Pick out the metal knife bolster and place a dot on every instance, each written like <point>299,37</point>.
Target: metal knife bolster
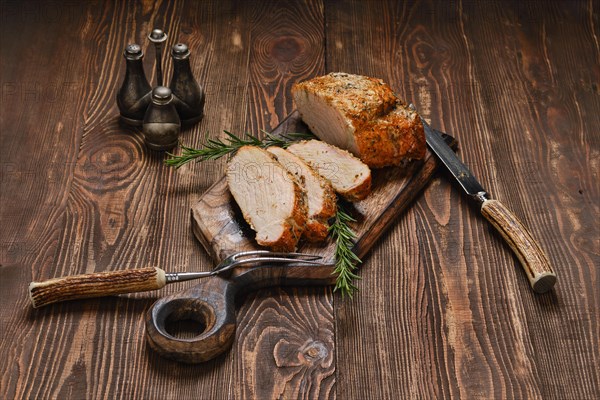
<point>463,175</point>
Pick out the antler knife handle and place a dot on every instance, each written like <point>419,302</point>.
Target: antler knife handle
<point>533,260</point>
<point>95,285</point>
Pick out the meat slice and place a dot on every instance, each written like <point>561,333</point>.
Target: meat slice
<point>270,199</point>
<point>349,176</point>
<point>362,115</point>
<point>320,197</point>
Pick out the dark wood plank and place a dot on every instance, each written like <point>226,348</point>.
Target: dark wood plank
<point>279,326</point>
<point>558,93</point>
<point>460,318</point>
<point>124,209</point>
<point>443,310</point>
<point>43,103</point>
<point>110,221</point>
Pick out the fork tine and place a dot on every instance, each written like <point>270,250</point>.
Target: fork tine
<point>276,260</point>
<point>237,259</point>
<point>263,259</point>
<point>232,258</point>
<point>274,254</point>
<point>248,253</point>
<point>295,256</point>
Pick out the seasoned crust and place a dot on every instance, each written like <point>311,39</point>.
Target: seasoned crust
<point>360,98</point>
<point>329,201</point>
<point>317,227</point>
<point>316,231</point>
<point>294,226</point>
<point>359,192</point>
<point>392,139</point>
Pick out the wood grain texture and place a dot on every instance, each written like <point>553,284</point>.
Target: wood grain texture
<point>443,309</point>
<point>284,45</point>
<point>469,329</point>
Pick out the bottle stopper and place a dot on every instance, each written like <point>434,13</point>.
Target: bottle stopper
<point>133,52</point>
<point>180,51</point>
<point>161,95</point>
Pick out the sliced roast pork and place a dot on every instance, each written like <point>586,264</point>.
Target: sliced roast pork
<point>362,115</point>
<point>269,197</point>
<point>349,176</point>
<point>320,197</point>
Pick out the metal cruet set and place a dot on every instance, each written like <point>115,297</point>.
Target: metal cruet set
<point>162,110</point>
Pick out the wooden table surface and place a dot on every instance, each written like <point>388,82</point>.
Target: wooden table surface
<point>444,310</point>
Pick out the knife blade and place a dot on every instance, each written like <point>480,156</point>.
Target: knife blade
<point>534,261</point>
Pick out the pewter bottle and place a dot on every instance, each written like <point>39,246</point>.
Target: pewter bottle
<point>161,122</point>
<point>135,93</point>
<point>188,95</point>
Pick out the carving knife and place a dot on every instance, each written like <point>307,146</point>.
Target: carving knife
<point>533,260</point>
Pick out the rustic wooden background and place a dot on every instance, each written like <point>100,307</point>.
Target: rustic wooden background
<point>443,310</point>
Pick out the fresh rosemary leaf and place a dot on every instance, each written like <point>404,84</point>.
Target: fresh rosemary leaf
<point>216,148</point>
<point>285,140</point>
<point>345,259</point>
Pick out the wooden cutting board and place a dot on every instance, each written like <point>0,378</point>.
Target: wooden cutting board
<point>219,226</point>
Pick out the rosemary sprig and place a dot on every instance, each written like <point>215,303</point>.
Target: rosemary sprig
<point>217,148</point>
<point>345,259</point>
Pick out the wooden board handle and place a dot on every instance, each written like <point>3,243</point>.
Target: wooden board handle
<point>535,263</point>
<point>95,285</point>
<point>211,305</point>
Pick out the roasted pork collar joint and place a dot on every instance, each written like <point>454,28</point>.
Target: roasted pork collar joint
<point>362,115</point>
